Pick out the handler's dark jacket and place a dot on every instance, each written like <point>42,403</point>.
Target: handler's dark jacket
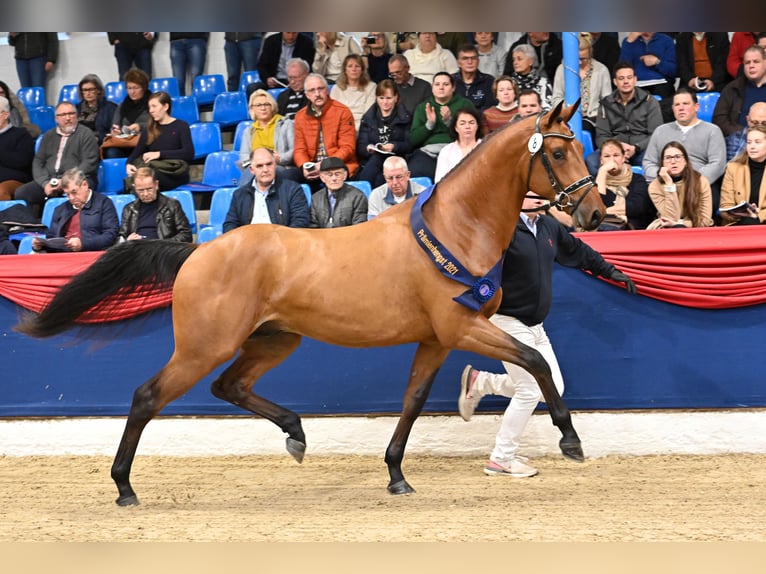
<point>285,201</point>
<point>528,267</point>
<point>172,223</point>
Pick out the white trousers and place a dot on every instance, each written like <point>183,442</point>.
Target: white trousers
<point>518,384</point>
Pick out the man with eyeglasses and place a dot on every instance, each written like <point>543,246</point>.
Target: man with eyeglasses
<point>294,98</point>
<point>64,147</point>
<point>337,204</point>
<point>471,83</point>
<point>735,143</point>
<point>278,49</point>
<point>398,187</point>
<point>412,90</point>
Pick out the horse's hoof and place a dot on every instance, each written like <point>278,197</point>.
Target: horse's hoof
<point>131,500</point>
<point>572,451</point>
<point>296,448</point>
<point>400,487</point>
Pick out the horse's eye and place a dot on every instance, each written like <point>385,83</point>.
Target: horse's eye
<point>558,155</point>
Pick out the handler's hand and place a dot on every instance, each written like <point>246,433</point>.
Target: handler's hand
<point>620,277</point>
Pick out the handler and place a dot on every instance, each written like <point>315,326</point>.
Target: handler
<point>538,241</point>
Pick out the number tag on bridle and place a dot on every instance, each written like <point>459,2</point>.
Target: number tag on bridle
<point>535,143</point>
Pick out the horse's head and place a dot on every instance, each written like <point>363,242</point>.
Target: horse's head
<point>557,170</point>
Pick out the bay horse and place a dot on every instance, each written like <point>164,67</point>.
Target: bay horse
<point>255,291</point>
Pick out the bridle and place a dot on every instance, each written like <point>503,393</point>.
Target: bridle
<point>563,197</point>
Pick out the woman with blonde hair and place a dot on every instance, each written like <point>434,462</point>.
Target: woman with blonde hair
<point>506,94</point>
<point>331,50</point>
<point>744,186</point>
<point>354,87</point>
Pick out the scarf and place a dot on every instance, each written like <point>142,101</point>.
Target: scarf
<point>131,109</point>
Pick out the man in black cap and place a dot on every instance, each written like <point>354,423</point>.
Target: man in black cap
<point>337,204</point>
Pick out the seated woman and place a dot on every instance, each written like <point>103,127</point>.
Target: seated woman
<point>429,133</point>
<point>331,49</point>
<point>17,150</point>
<point>507,95</point>
<point>377,53</point>
<point>465,129</point>
<point>94,110</point>
<point>164,145</point>
<point>526,75</point>
<point>271,131</point>
<point>681,194</point>
<point>132,115</point>
<point>384,131</point>
<point>19,113</point>
<point>623,191</point>
<point>743,182</point>
<point>354,88</point>
<point>153,215</point>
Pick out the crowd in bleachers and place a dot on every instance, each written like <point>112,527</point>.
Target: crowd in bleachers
<point>672,125</point>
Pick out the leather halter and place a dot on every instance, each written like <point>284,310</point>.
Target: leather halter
<point>563,197</point>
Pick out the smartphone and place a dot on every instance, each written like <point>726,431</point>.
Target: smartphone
<point>371,39</point>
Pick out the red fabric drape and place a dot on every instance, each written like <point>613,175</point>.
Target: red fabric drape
<point>713,268</point>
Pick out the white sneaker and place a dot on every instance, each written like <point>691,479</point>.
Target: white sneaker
<point>516,468</point>
<point>469,398</point>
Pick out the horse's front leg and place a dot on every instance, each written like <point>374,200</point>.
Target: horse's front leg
<point>425,365</point>
<point>489,340</point>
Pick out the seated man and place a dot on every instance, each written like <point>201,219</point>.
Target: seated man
<point>735,143</point>
<point>153,215</point>
<point>87,222</point>
<point>653,56</point>
<point>276,51</point>
<point>267,198</point>
<point>397,188</point>
<point>472,84</point>
<point>337,204</point>
<point>412,90</point>
<point>64,147</point>
<point>294,98</point>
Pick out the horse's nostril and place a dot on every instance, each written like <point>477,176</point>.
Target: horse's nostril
<point>595,219</point>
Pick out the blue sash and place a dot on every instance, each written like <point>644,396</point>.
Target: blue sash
<point>481,289</point>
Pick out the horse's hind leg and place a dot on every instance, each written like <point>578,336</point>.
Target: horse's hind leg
<point>262,351</point>
<point>425,365</point>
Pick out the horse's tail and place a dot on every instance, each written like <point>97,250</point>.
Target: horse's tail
<point>132,266</point>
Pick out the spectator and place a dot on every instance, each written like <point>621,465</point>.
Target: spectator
<point>68,145</point>
<point>529,105</point>
<point>735,143</point>
<point>271,131</point>
<point>740,41</point>
<point>17,149</point>
<point>165,145</point>
<point>428,58</point>
<point>451,41</point>
<point>385,130</point>
<point>87,222</point>
<point>548,52</point>
<point>153,215</point>
<point>680,193</point>
<point>470,83</point>
<point>19,114</point>
<point>594,84</point>
<point>702,60</point>
<point>266,198</point>
<point>293,98</point>
<point>188,52</point>
<point>606,49</point>
<point>132,49</point>
<point>506,93</point>
<point>403,41</point>
<point>337,204</point>
<point>132,115</point>
<point>525,73</point>
<point>740,94</point>
<point>744,182</point>
<point>323,129</point>
<point>278,51</point>
<point>629,114</point>
<point>377,53</point>
<point>429,133</point>
<point>624,192</point>
<point>412,90</point>
<point>491,56</point>
<point>331,51</point>
<point>240,49</point>
<point>653,56</point>
<point>36,54</point>
<point>465,131</point>
<point>397,187</point>
<point>354,88</point>
<point>94,110</point>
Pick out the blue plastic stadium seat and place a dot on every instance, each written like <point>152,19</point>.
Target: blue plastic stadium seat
<point>220,170</point>
<point>43,116</point>
<point>6,203</point>
<point>187,203</point>
<point>120,200</point>
<point>25,245</point>
<point>111,175</point>
<point>587,143</point>
<point>247,78</point>
<point>423,180</point>
<point>239,133</point>
<point>185,108</point>
<point>707,102</point>
<point>208,234</point>
<point>32,97</point>
<point>69,93</point>
<point>275,92</point>
<point>307,191</point>
<point>168,84</point>
<point>38,141</point>
<point>362,185</point>
<point>206,137</point>
<point>219,206</point>
<point>637,169</point>
<point>115,92</point>
<point>230,108</point>
<point>206,87</point>
<point>51,204</point>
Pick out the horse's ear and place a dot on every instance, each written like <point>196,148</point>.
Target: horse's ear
<point>554,114</point>
<point>570,111</point>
